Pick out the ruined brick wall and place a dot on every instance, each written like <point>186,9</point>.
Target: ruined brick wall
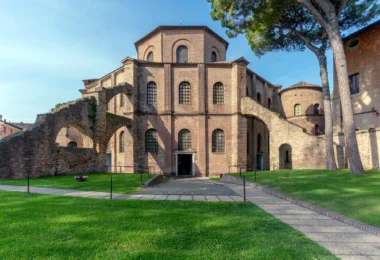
<point>34,151</point>
<point>308,152</point>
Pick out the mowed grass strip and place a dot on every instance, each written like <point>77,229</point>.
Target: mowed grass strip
<point>52,227</point>
<point>122,183</point>
<point>356,196</point>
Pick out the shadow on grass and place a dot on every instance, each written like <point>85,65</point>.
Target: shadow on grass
<point>42,226</point>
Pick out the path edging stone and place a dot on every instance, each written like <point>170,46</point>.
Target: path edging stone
<point>154,180</point>
<point>226,178</point>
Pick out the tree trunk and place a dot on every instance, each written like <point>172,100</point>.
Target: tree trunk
<point>356,165</point>
<point>330,157</point>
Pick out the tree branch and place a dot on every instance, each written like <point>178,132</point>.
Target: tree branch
<point>341,7</point>
<point>317,15</point>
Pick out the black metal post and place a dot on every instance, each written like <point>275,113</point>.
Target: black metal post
<point>28,182</point>
<point>140,176</point>
<point>255,175</point>
<point>240,171</point>
<point>244,188</point>
<point>111,188</point>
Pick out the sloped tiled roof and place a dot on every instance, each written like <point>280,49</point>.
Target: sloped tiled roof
<point>304,84</point>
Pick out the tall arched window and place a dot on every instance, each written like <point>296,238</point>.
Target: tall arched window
<point>121,142</point>
<point>185,93</point>
<point>218,94</point>
<point>151,141</point>
<point>150,56</point>
<point>259,143</point>
<point>316,128</point>
<point>218,141</point>
<point>297,110</point>
<point>259,98</point>
<point>182,55</point>
<point>316,109</point>
<point>184,140</point>
<point>269,103</point>
<point>214,58</point>
<point>151,93</point>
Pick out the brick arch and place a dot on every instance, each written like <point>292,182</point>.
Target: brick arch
<point>184,42</point>
<point>214,49</point>
<point>114,123</point>
<point>150,48</point>
<point>124,88</point>
<point>304,145</point>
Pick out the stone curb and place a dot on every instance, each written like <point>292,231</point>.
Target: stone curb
<point>334,215</point>
<point>154,180</point>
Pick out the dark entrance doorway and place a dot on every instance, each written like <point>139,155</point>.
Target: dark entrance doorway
<point>185,164</point>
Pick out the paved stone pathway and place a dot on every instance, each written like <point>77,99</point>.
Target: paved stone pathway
<point>135,196</point>
<point>189,186</point>
<point>344,241</point>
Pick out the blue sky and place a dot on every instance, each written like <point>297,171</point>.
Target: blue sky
<point>49,46</point>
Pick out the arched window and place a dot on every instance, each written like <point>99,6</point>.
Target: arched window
<point>184,140</point>
<point>259,143</point>
<point>259,98</point>
<point>287,159</point>
<point>182,54</point>
<point>214,58</point>
<point>316,128</point>
<point>269,103</point>
<point>218,141</point>
<point>218,94</point>
<point>72,144</point>
<point>185,93</point>
<point>150,56</point>
<point>316,109</point>
<point>121,142</point>
<point>151,141</point>
<point>297,110</point>
<point>151,93</point>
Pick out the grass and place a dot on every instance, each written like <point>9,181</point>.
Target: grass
<point>122,183</point>
<point>57,227</point>
<point>356,196</point>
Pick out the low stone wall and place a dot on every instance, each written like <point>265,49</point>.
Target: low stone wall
<point>154,180</point>
<point>334,215</point>
<point>75,160</point>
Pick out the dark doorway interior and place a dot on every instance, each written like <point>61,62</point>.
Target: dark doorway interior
<point>185,164</point>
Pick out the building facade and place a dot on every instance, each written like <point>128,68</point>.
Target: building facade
<point>362,51</point>
<point>185,107</point>
<point>7,128</point>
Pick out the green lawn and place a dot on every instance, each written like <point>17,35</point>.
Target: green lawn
<point>351,195</point>
<point>56,227</point>
<point>122,183</point>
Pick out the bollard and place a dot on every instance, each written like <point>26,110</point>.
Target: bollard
<point>240,171</point>
<point>255,176</point>
<point>244,188</point>
<point>141,176</point>
<point>111,188</point>
<point>28,182</point>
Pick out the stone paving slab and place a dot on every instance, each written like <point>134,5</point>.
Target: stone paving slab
<point>212,198</point>
<point>160,197</point>
<point>225,198</point>
<point>199,197</point>
<point>173,197</point>
<point>186,197</point>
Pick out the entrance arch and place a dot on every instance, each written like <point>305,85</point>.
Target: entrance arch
<point>285,156</point>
